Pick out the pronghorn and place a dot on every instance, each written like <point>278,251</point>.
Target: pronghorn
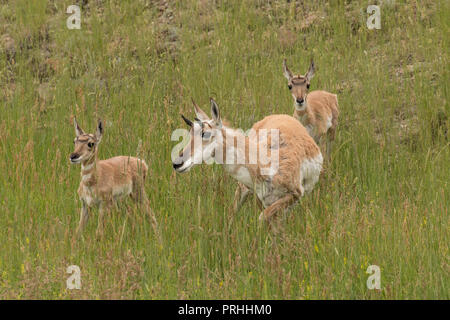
<point>299,157</point>
<point>105,181</point>
<point>316,110</point>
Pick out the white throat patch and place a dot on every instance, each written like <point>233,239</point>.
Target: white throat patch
<point>300,108</point>
<point>89,166</point>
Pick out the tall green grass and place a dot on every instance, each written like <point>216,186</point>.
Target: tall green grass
<point>382,200</point>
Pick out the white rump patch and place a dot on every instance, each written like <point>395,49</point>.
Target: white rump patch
<point>329,123</point>
<point>310,172</point>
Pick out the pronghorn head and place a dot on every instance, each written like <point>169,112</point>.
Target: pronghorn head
<point>299,85</point>
<point>203,138</point>
<point>85,144</point>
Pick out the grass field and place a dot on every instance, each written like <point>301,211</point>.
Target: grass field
<point>383,199</point>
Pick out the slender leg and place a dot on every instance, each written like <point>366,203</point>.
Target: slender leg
<point>278,205</point>
<point>330,138</point>
<point>329,146</point>
<point>237,197</point>
<point>101,217</point>
<point>259,203</point>
<point>317,140</point>
<point>141,198</point>
<point>321,143</point>
<point>84,216</point>
<point>240,196</point>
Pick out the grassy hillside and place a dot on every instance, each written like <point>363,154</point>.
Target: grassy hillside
<point>383,200</point>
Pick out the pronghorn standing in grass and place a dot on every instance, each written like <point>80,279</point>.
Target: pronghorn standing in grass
<point>105,181</point>
<point>299,159</point>
<point>316,110</point>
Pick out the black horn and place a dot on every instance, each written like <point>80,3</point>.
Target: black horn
<point>188,122</point>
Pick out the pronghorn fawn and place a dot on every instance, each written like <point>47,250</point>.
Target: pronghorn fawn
<point>316,110</point>
<point>298,161</point>
<point>103,182</point>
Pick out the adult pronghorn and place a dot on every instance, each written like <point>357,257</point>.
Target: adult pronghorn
<point>316,110</point>
<point>299,160</point>
<point>105,181</point>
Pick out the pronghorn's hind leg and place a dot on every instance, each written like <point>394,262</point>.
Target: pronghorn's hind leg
<point>138,191</point>
<point>277,206</point>
<point>328,147</point>
<point>331,133</point>
<point>330,139</point>
<point>322,142</point>
<point>102,209</point>
<point>141,199</point>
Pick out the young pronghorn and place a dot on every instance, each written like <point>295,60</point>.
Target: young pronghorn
<point>105,181</point>
<point>316,110</point>
<point>298,165</point>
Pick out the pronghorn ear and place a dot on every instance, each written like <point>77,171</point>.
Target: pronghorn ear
<point>78,130</point>
<point>310,74</point>
<point>287,73</point>
<point>215,113</point>
<point>201,115</point>
<point>99,133</point>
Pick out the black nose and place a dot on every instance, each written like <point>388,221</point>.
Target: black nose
<point>73,156</point>
<point>300,101</point>
<point>177,165</point>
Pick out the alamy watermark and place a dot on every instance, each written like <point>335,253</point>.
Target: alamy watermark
<point>374,281</point>
<point>74,281</point>
<point>374,19</point>
<point>74,20</point>
<point>374,11</point>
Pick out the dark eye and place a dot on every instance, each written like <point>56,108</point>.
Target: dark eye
<point>290,86</point>
<point>206,135</point>
<point>307,86</point>
<point>90,144</point>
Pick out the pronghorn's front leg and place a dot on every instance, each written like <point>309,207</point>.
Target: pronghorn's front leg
<point>84,216</point>
<point>278,205</point>
<point>240,196</point>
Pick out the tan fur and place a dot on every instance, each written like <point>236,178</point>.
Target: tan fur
<point>295,145</point>
<point>106,176</point>
<point>103,182</point>
<point>320,106</point>
<point>318,111</point>
<point>286,186</point>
